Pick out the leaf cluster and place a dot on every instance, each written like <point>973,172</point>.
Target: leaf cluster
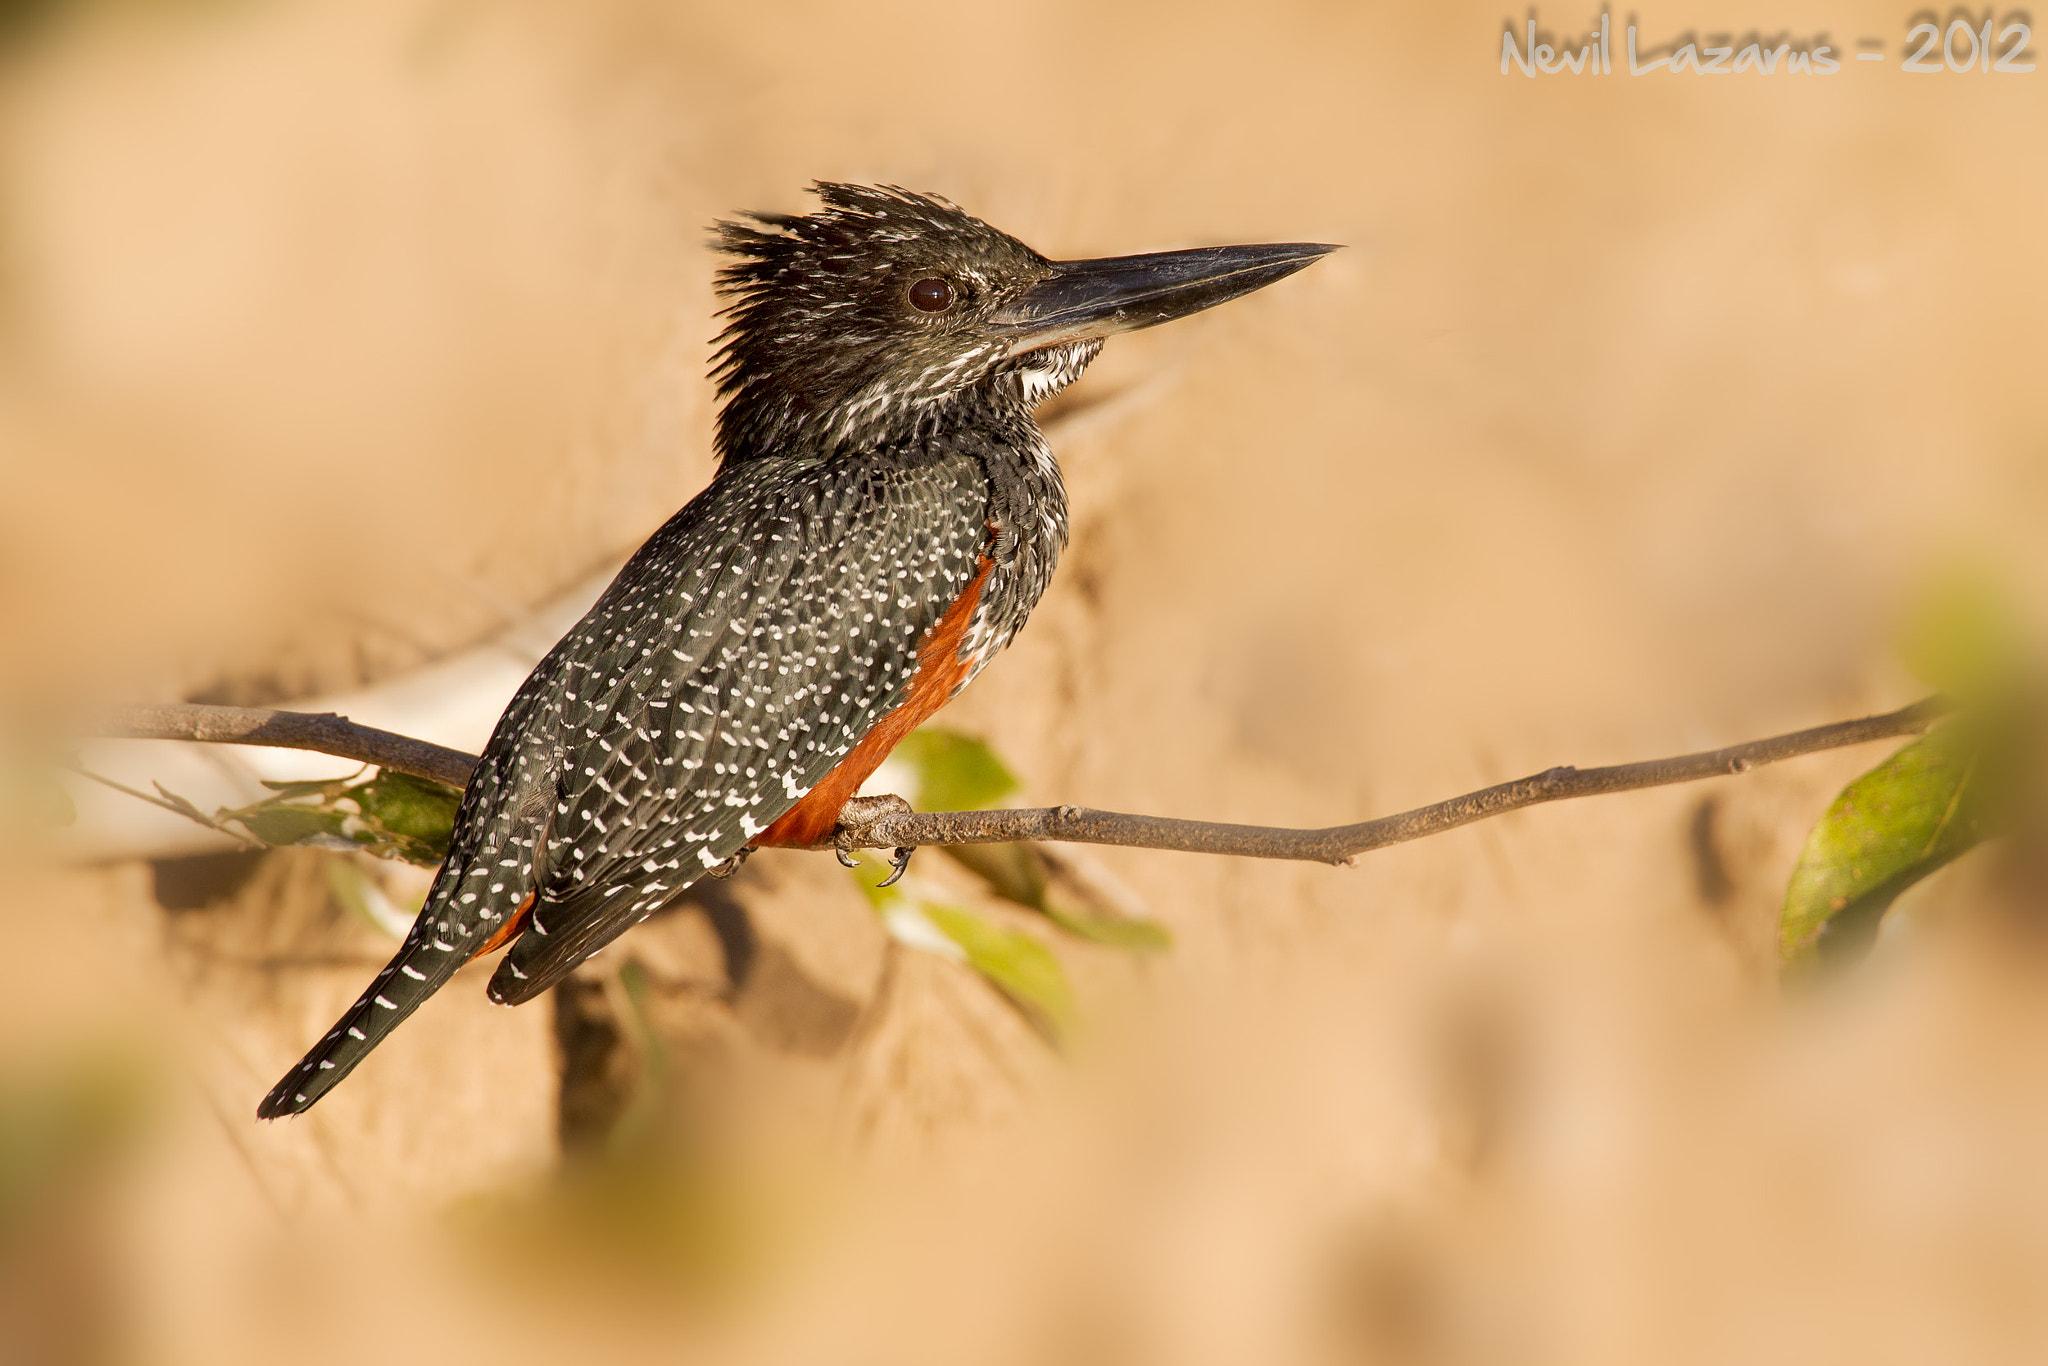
<point>1956,787</point>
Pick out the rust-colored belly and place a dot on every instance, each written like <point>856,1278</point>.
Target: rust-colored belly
<point>940,672</point>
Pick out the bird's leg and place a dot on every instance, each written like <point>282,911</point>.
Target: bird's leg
<point>857,821</point>
<point>731,865</point>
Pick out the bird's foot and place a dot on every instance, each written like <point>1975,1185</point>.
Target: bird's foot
<point>857,821</point>
<point>731,865</point>
<point>899,864</point>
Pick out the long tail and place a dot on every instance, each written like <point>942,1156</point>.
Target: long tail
<point>431,954</point>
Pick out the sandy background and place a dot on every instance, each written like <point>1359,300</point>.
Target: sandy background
<point>334,336</point>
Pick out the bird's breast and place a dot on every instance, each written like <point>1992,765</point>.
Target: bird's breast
<point>1028,500</point>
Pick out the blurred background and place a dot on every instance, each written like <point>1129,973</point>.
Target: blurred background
<point>341,339</point>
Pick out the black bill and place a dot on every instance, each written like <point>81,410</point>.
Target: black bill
<point>1085,299</point>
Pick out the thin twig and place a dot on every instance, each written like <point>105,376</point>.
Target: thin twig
<point>878,828</point>
<point>171,802</point>
<point>1338,844</point>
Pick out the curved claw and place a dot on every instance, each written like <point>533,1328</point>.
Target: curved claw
<point>899,863</point>
<point>846,860</point>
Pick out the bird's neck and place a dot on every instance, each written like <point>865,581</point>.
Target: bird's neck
<point>764,417</point>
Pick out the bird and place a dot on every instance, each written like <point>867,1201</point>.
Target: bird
<point>884,515</point>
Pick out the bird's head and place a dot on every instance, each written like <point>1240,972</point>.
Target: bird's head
<point>856,323</point>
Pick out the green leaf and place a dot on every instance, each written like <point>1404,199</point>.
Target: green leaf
<point>311,787</point>
<point>1020,967</point>
<point>1013,962</point>
<point>391,815</point>
<point>414,808</point>
<point>277,823</point>
<point>1017,873</point>
<point>1913,813</point>
<point>955,772</point>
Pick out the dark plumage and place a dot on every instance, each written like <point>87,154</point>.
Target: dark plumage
<point>885,515</point>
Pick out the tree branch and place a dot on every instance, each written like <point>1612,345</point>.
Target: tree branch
<point>1339,843</point>
<point>322,732</point>
<point>876,827</point>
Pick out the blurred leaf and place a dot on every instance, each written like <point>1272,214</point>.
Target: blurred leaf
<point>955,772</point>
<point>1913,813</point>
<point>1112,931</point>
<point>1013,962</point>
<point>902,916</point>
<point>1965,636</point>
<point>1012,871</point>
<point>1018,873</point>
<point>391,815</point>
<point>909,926</point>
<point>638,1124</point>
<point>60,1124</point>
<point>1021,967</point>
<point>660,1209</point>
<point>868,877</point>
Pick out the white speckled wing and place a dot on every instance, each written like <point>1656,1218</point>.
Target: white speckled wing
<point>739,655</point>
<point>738,660</point>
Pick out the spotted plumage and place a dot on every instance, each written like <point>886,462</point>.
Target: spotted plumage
<point>885,516</point>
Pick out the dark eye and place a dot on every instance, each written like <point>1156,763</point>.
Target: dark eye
<point>932,296</point>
